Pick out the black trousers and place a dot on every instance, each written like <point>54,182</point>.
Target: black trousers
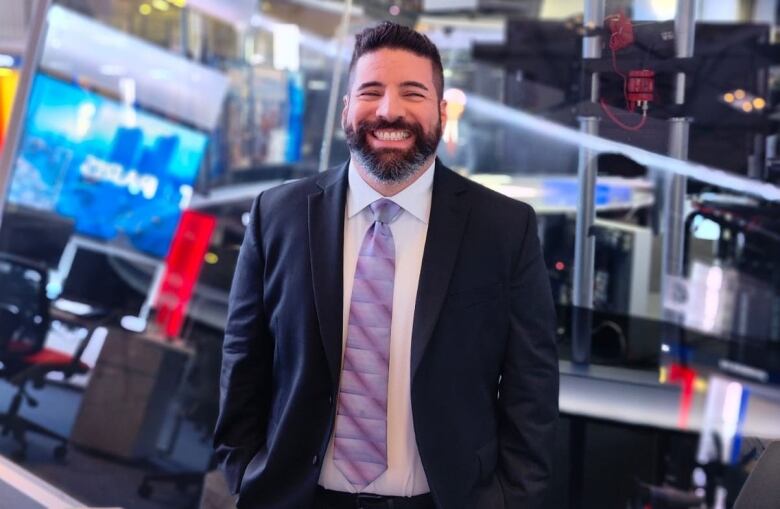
<point>327,499</point>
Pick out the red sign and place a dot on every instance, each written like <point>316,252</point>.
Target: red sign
<point>185,259</point>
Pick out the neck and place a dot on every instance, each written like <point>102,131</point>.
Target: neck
<point>391,188</point>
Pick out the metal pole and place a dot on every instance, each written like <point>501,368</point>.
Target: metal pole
<point>32,53</point>
<point>675,185</point>
<point>584,243</point>
<point>184,32</point>
<point>335,85</point>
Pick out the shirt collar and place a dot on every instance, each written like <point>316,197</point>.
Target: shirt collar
<point>415,199</point>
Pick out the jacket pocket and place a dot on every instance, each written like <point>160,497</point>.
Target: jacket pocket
<point>487,455</point>
<point>254,467</point>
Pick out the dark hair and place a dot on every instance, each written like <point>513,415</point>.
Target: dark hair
<point>394,36</point>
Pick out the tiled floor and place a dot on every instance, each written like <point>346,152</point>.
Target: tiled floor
<point>95,480</point>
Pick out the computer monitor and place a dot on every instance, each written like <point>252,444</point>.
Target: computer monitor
<point>122,174</point>
<point>34,234</point>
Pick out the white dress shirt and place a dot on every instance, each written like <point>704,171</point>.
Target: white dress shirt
<point>404,475</point>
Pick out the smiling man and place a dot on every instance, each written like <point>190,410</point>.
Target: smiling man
<point>389,341</point>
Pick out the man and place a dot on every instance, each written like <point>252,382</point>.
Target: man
<point>390,333</point>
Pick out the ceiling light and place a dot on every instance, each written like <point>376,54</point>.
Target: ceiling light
<point>145,9</point>
<point>112,70</point>
<point>7,60</point>
<point>160,5</point>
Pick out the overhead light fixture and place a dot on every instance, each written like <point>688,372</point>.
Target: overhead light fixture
<point>145,9</point>
<point>160,74</point>
<point>7,60</point>
<point>160,5</point>
<point>112,70</point>
<point>744,101</point>
<point>181,4</point>
<point>287,41</point>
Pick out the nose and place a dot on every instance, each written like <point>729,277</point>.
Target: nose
<point>390,108</point>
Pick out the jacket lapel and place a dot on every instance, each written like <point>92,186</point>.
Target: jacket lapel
<point>449,212</point>
<point>326,248</point>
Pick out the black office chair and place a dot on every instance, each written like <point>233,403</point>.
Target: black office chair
<point>762,488</point>
<point>24,324</point>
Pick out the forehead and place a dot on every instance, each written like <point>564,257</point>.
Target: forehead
<point>390,66</point>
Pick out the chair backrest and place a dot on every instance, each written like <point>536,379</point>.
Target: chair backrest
<point>9,323</point>
<point>762,488</point>
<point>24,320</point>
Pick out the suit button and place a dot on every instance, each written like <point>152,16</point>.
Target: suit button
<point>314,460</point>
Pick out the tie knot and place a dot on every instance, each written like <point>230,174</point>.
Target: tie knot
<point>385,211</point>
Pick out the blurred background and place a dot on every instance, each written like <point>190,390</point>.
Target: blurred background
<point>134,136</point>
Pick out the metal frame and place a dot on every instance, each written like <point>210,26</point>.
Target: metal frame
<point>32,55</point>
<point>587,168</point>
<point>76,242</point>
<point>674,186</point>
<point>335,86</point>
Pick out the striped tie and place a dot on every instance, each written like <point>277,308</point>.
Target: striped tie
<point>360,444</point>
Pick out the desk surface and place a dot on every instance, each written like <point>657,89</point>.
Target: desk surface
<point>639,398</point>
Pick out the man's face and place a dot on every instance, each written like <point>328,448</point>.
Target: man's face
<point>392,115</point>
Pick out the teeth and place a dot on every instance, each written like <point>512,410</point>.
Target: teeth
<point>386,135</point>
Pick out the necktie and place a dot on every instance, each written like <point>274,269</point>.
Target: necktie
<point>360,443</point>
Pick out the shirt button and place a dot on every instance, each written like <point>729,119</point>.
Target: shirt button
<point>314,460</point>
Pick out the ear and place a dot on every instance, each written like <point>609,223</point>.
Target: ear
<point>345,100</point>
<point>443,111</point>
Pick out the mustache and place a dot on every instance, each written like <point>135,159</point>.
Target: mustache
<point>365,126</point>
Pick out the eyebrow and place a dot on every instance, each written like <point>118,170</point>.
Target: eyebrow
<point>415,84</point>
<point>370,84</point>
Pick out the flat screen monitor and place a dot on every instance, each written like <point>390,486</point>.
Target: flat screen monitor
<point>121,173</point>
<point>9,79</point>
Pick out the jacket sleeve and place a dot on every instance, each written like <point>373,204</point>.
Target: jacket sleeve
<point>528,390</point>
<point>247,353</point>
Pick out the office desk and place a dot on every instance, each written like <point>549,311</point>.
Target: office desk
<point>653,397</point>
<point>124,405</point>
<point>637,397</point>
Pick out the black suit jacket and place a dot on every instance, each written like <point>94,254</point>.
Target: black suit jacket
<point>484,368</point>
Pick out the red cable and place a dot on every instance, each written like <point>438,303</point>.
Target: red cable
<point>615,68</point>
<point>619,122</point>
<point>629,105</point>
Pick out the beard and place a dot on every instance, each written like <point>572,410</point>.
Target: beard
<point>390,165</point>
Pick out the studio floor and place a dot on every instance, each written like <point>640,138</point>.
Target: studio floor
<point>97,480</point>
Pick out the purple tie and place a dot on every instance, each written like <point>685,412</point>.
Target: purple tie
<point>360,444</point>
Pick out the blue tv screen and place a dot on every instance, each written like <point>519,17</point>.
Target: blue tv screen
<point>122,174</point>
